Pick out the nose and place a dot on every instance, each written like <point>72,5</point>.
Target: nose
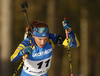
<point>43,42</point>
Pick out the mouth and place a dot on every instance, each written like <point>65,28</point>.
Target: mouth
<point>41,45</point>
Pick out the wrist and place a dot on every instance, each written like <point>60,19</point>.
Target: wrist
<point>21,52</point>
<point>68,30</point>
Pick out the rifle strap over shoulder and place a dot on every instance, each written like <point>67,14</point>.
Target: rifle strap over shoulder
<point>51,43</point>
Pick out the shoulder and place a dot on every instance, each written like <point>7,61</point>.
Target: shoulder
<point>52,35</point>
<point>27,41</point>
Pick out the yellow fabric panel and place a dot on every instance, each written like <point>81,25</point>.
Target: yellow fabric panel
<point>52,44</point>
<point>65,42</point>
<point>19,48</point>
<point>30,41</point>
<point>78,44</point>
<point>21,45</point>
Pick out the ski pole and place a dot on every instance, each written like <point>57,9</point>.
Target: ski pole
<point>69,53</point>
<point>25,56</point>
<point>20,64</point>
<point>19,67</point>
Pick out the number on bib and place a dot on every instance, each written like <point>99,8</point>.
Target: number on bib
<point>41,63</point>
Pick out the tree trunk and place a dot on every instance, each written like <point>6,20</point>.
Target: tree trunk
<point>51,14</point>
<point>50,20</point>
<point>56,65</point>
<point>84,42</point>
<point>5,37</point>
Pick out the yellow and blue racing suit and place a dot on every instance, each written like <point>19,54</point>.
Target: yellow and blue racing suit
<point>38,63</point>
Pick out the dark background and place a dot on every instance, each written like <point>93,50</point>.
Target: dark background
<point>84,16</point>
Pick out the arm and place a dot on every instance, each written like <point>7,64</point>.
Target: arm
<point>59,40</point>
<point>73,41</point>
<point>18,52</point>
<point>72,38</point>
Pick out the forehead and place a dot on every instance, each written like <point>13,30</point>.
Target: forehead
<point>42,37</point>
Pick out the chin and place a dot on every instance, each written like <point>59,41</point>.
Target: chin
<point>41,47</point>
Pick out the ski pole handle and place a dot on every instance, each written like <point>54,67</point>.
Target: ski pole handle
<point>25,57</point>
<point>66,31</point>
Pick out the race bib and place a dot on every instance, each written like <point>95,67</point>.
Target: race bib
<point>37,67</point>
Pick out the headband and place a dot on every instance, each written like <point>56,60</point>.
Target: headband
<point>41,32</point>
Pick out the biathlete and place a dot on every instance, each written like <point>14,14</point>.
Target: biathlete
<point>39,58</point>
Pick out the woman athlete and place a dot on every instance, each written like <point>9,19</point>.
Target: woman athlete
<point>39,58</point>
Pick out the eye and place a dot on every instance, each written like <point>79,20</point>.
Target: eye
<point>46,39</point>
<point>40,39</point>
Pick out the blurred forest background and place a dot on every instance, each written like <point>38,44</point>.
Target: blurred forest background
<point>84,16</point>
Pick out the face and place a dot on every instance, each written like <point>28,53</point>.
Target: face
<point>40,41</point>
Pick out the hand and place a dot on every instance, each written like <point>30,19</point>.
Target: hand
<point>66,24</point>
<point>27,50</point>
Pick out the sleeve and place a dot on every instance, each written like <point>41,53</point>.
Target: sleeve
<point>56,39</point>
<point>17,54</point>
<point>59,40</point>
<point>53,37</point>
<point>73,41</point>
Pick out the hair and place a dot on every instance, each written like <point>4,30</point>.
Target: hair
<point>38,24</point>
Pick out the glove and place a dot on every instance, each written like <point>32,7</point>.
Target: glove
<point>27,50</point>
<point>66,24</point>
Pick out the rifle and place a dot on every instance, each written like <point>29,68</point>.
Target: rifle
<point>29,28</point>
